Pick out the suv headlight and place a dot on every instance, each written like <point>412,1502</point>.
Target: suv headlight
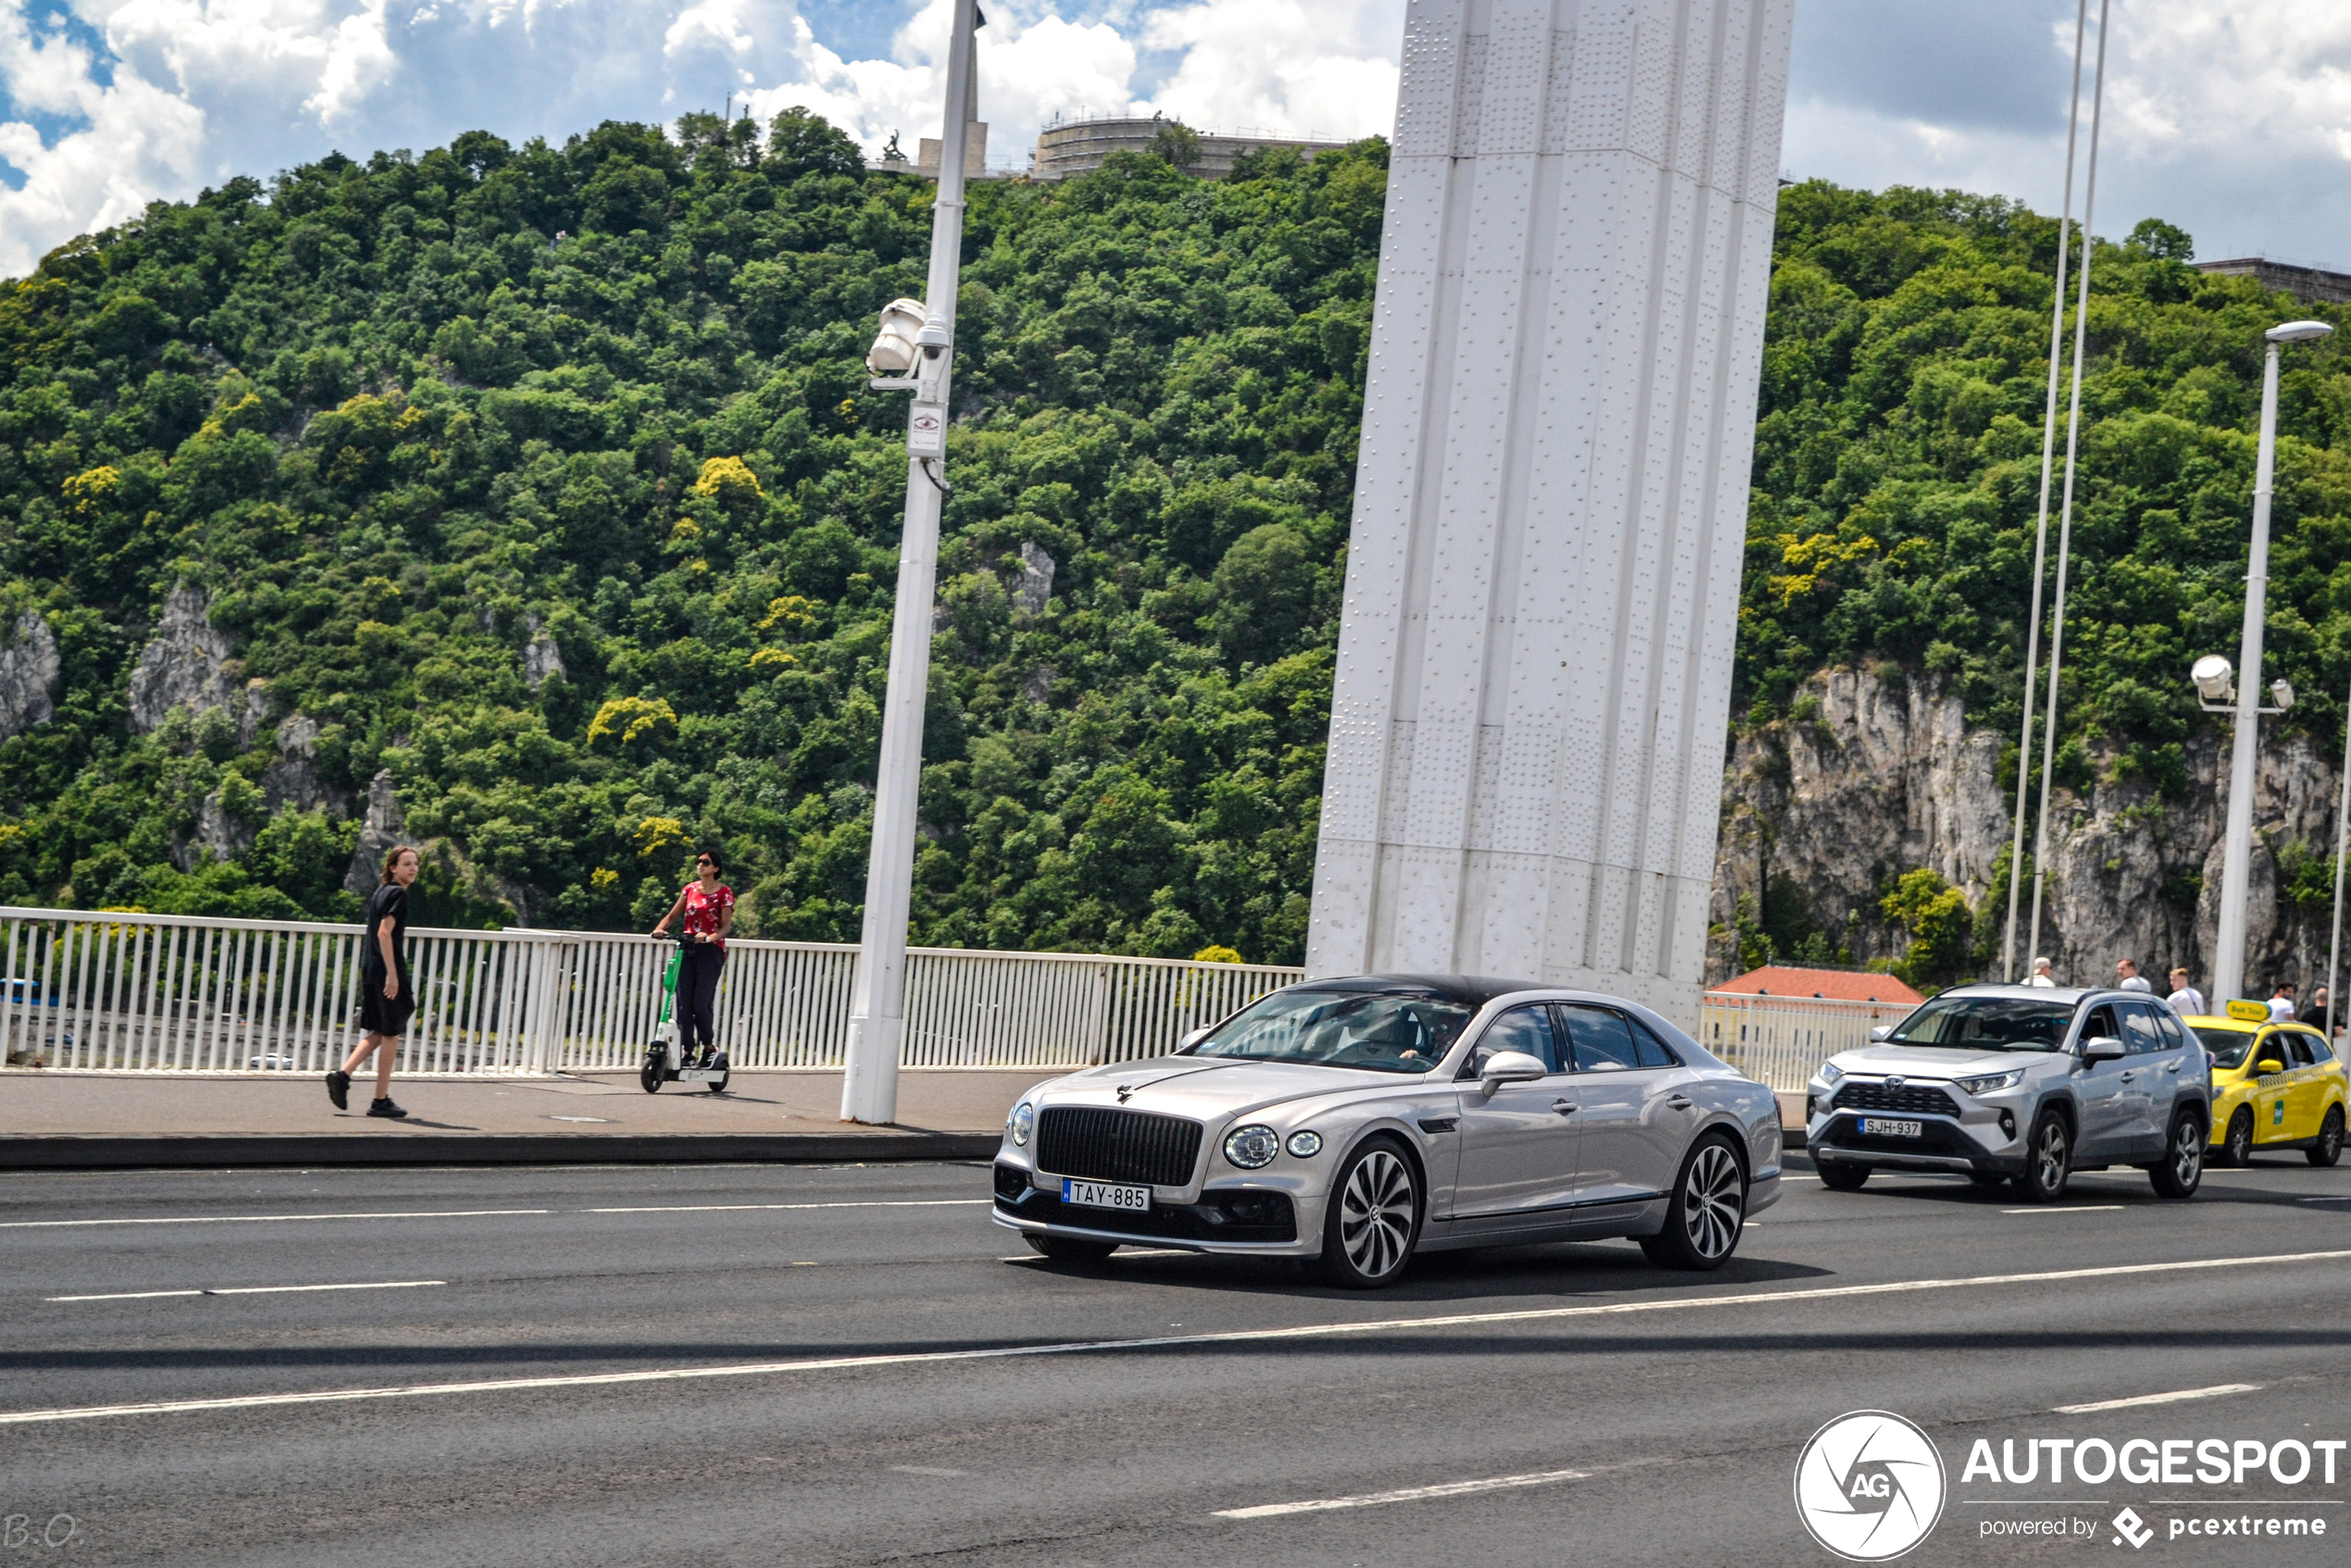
<point>1831,1072</point>
<point>1021,1123</point>
<point>1252,1145</point>
<point>1992,1083</point>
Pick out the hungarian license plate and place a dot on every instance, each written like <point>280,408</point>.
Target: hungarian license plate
<point>1106,1195</point>
<point>1878,1127</point>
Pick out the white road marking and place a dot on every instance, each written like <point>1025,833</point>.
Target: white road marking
<point>2067,1209</point>
<point>856,1204</point>
<point>2323,1199</point>
<point>1164,1341</point>
<point>249,1291</point>
<point>2214,1392</point>
<point>924,1470</point>
<point>1405,1494</point>
<point>257,1219</point>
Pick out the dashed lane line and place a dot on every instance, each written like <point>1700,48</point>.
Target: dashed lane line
<point>1406,1494</point>
<point>258,1219</point>
<point>2214,1392</point>
<point>2069,1208</point>
<point>1165,1341</point>
<point>249,1291</point>
<point>481,1214</point>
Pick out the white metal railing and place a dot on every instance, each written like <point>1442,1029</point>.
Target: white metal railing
<point>1781,1039</point>
<point>144,992</point>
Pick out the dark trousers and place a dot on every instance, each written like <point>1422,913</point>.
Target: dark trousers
<point>698,994</point>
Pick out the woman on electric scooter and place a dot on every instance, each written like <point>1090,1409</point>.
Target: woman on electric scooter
<point>708,906</point>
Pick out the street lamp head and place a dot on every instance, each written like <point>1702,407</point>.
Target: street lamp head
<point>2298,331</point>
<point>2281,693</point>
<point>896,348</point>
<point>2210,674</point>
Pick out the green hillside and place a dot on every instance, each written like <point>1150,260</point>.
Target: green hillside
<point>425,427</point>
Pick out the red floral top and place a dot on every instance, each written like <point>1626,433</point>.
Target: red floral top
<point>705,911</point>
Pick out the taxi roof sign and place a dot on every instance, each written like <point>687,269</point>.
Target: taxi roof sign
<point>2248,1013</point>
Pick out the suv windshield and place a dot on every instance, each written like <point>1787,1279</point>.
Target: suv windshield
<point>1388,1033</point>
<point>1987,1023</point>
<point>2227,1047</point>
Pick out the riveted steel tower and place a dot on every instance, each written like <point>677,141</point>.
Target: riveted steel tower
<point>1542,588</point>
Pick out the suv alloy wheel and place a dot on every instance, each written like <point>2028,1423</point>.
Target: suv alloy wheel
<point>2180,1170</point>
<point>2048,1160</point>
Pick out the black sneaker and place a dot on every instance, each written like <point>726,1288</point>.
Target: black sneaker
<point>339,1089</point>
<point>385,1108</point>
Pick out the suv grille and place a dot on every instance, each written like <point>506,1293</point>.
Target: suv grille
<point>1917,1100</point>
<point>1102,1144</point>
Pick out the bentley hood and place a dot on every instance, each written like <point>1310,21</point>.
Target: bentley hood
<point>1208,1088</point>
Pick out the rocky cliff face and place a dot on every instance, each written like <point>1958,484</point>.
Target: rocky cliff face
<point>1887,777</point>
<point>29,668</point>
<point>185,665</point>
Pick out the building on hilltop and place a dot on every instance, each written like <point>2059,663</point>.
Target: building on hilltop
<point>2311,285</point>
<point>1079,146</point>
<point>1830,985</point>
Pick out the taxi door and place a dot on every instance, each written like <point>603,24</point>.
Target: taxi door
<point>2306,1092</point>
<point>2272,1090</point>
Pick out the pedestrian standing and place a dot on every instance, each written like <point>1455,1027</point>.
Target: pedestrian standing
<point>2127,977</point>
<point>386,1000</point>
<point>2281,1002</point>
<point>2186,999</point>
<point>708,906</point>
<point>2041,973</point>
<point>2321,1015</point>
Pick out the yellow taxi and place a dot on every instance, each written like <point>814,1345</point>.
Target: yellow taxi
<point>2275,1086</point>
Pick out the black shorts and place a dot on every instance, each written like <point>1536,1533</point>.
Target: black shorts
<point>381,1014</point>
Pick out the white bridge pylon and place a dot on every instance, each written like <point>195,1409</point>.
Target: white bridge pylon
<point>1528,726</point>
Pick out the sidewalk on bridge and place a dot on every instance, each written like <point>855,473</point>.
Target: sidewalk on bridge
<point>64,1120</point>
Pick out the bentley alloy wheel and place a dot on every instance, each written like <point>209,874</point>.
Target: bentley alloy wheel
<point>1705,1212</point>
<point>1374,1218</point>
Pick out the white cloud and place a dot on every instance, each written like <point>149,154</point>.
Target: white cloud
<point>2229,117</point>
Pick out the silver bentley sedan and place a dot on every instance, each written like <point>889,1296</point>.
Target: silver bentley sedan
<point>1357,1122</point>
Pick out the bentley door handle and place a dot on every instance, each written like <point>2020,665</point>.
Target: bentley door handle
<point>1565,1107</point>
<point>2129,1076</point>
<point>2171,1066</point>
<point>1678,1101</point>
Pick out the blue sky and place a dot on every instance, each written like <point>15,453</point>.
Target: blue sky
<point>2232,118</point>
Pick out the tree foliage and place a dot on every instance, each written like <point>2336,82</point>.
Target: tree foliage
<point>427,427</point>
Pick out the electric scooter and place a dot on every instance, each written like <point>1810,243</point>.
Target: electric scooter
<point>661,1063</point>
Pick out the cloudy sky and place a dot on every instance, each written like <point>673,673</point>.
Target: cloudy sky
<point>2231,118</point>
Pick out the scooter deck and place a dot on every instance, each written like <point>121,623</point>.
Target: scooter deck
<point>699,1075</point>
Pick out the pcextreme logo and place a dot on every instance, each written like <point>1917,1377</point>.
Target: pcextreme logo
<point>1869,1486</point>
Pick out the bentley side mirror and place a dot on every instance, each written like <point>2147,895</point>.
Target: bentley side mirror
<point>1882,1031</point>
<point>2102,1048</point>
<point>1511,1067</point>
<point>1193,1038</point>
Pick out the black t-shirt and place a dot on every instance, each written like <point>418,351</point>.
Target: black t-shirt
<point>387,903</point>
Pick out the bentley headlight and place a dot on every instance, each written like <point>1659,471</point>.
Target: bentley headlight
<point>1831,1072</point>
<point>1992,1083</point>
<point>1252,1145</point>
<point>1305,1145</point>
<point>1022,1121</point>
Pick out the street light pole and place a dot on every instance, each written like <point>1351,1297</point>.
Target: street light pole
<point>2228,956</point>
<point>2342,843</point>
<point>878,1002</point>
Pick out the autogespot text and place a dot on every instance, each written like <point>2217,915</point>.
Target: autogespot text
<point>2148,1461</point>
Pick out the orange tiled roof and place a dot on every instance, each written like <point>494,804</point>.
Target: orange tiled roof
<point>1837,984</point>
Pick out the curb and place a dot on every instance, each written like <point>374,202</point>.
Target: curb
<point>212,1151</point>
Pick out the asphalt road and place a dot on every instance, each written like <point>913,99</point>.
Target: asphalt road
<point>1639,1416</point>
